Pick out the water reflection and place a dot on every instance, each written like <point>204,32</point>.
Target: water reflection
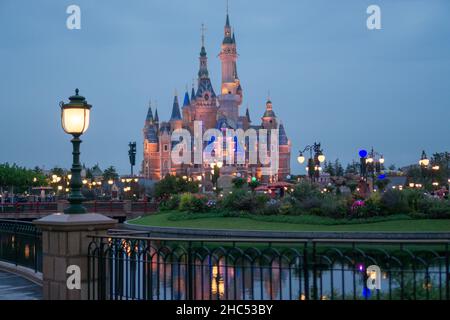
<point>168,276</point>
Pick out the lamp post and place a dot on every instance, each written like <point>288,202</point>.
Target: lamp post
<point>424,162</point>
<point>375,163</point>
<point>75,121</point>
<point>314,162</point>
<point>215,174</point>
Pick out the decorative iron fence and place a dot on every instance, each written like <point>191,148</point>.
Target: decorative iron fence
<point>141,267</point>
<point>21,244</point>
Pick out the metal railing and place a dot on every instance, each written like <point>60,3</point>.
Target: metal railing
<point>92,206</point>
<point>21,244</point>
<point>140,267</point>
<point>29,207</point>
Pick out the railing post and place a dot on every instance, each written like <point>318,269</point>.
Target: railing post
<point>190,275</point>
<point>65,243</point>
<point>314,271</point>
<point>16,250</point>
<point>306,270</point>
<point>36,243</point>
<point>447,273</point>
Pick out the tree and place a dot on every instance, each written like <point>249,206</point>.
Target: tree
<point>253,184</point>
<point>19,179</point>
<point>382,184</point>
<point>338,169</point>
<point>57,171</point>
<point>174,185</point>
<point>352,168</point>
<point>328,168</point>
<point>110,173</point>
<point>238,182</point>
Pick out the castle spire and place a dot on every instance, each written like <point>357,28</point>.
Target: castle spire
<point>176,115</point>
<point>149,117</point>
<point>156,116</point>
<point>203,71</point>
<point>186,101</point>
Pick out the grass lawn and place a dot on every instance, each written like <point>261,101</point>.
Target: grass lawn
<point>161,220</point>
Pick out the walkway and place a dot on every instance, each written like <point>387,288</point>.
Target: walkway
<point>14,287</point>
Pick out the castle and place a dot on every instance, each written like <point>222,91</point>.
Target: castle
<point>214,111</point>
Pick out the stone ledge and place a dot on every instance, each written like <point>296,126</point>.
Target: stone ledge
<point>75,222</point>
<point>25,272</point>
<point>256,234</point>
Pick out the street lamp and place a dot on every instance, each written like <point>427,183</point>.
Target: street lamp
<point>372,163</point>
<point>75,121</point>
<point>424,161</point>
<point>313,168</point>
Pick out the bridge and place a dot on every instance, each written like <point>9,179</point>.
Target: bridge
<point>121,210</point>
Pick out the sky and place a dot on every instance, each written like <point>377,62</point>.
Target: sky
<point>331,80</point>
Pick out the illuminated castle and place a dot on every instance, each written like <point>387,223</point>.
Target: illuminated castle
<point>215,111</point>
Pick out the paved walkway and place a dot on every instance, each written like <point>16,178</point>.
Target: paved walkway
<point>14,287</point>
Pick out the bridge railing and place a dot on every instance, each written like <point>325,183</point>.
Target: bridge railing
<point>32,207</point>
<point>92,206</point>
<point>21,244</point>
<point>142,267</point>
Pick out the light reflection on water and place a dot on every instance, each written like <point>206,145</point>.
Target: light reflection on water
<point>243,281</point>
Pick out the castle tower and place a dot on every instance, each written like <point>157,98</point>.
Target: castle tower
<point>231,91</point>
<point>186,109</point>
<point>205,106</point>
<point>150,164</point>
<point>284,154</point>
<point>269,119</point>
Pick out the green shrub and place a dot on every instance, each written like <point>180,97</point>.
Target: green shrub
<point>191,203</point>
<point>333,206</point>
<point>271,208</point>
<point>373,206</point>
<point>260,200</point>
<point>242,200</point>
<point>304,190</point>
<point>394,201</point>
<point>170,204</point>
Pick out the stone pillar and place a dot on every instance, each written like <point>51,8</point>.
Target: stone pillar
<point>65,242</point>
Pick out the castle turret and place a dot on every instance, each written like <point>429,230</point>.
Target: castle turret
<point>156,117</point>
<point>231,90</point>
<point>149,117</point>
<point>186,109</point>
<point>175,118</point>
<point>205,106</point>
<point>269,120</point>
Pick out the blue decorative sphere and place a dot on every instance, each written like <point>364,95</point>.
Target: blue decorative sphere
<point>363,153</point>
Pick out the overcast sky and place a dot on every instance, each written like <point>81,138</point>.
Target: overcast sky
<point>331,79</point>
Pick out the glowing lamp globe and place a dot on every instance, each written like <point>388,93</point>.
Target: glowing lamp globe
<point>301,159</point>
<point>425,162</point>
<point>381,160</point>
<point>321,158</point>
<point>75,115</point>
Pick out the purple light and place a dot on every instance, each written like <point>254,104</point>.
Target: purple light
<point>360,267</point>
